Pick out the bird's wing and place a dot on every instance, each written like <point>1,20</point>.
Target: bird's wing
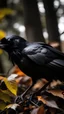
<point>41,53</point>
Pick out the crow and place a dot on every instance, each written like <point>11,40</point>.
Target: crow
<point>37,59</point>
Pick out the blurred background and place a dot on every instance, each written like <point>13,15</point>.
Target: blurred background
<point>35,20</point>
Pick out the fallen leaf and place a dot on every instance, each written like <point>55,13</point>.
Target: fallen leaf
<point>11,85</point>
<point>55,84</point>
<point>39,84</point>
<point>8,92</point>
<point>1,77</point>
<point>12,106</point>
<point>25,80</point>
<point>41,110</point>
<point>4,97</point>
<point>58,93</point>
<point>12,77</point>
<point>2,105</point>
<point>17,71</point>
<point>35,111</point>
<point>52,110</point>
<point>49,103</point>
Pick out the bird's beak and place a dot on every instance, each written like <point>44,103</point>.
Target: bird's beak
<point>1,45</point>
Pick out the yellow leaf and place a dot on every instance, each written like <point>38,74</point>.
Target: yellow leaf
<point>2,16</point>
<point>8,92</point>
<point>4,97</point>
<point>2,105</point>
<point>6,11</point>
<point>2,34</point>
<point>11,85</point>
<point>1,51</point>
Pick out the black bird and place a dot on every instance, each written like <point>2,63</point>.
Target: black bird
<point>38,59</point>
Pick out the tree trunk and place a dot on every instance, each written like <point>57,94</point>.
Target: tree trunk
<point>51,21</point>
<point>32,21</point>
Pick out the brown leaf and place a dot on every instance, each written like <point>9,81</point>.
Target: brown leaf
<point>26,80</point>
<point>34,111</point>
<point>39,84</point>
<point>16,74</point>
<point>52,110</point>
<point>54,84</point>
<point>16,70</point>
<point>41,110</point>
<point>49,103</point>
<point>1,77</point>
<point>56,88</point>
<point>59,93</point>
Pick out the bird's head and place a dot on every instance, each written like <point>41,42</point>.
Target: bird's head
<point>12,42</point>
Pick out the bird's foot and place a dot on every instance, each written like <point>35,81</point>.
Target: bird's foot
<point>21,97</point>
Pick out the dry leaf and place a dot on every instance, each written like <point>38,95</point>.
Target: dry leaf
<point>2,105</point>
<point>58,93</point>
<point>11,85</point>
<point>4,97</point>
<point>52,110</point>
<point>1,77</point>
<point>56,88</point>
<point>26,80</point>
<point>39,84</point>
<point>12,106</point>
<point>41,110</point>
<point>54,84</point>
<point>12,77</point>
<point>49,103</point>
<point>16,70</point>
<point>8,92</point>
<point>35,111</point>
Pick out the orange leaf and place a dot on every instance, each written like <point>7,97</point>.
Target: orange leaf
<point>16,70</point>
<point>1,77</point>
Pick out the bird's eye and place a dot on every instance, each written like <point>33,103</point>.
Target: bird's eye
<point>17,40</point>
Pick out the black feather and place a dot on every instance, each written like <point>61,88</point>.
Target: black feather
<point>38,60</point>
